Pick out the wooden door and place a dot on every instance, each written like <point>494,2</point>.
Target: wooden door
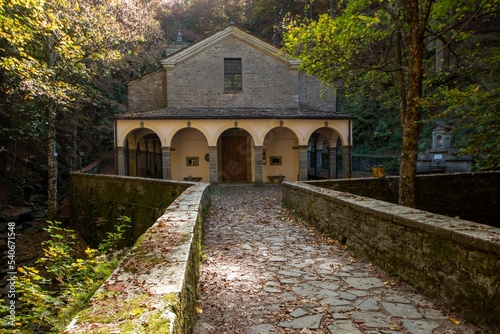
<point>234,159</point>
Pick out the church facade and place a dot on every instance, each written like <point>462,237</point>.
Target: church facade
<point>232,108</point>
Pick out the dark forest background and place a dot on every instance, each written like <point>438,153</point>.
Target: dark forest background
<point>64,68</point>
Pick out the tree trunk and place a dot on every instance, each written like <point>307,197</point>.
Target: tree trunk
<point>408,167</point>
<point>412,116</point>
<point>52,163</point>
<point>404,186</point>
<point>14,158</point>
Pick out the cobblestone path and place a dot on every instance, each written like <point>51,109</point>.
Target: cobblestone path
<point>266,271</point>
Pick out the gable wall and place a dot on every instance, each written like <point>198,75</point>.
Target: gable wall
<point>199,80</point>
<point>314,95</point>
<point>148,92</point>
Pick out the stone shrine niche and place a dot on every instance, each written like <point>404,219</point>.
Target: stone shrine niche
<point>441,157</point>
<point>441,138</point>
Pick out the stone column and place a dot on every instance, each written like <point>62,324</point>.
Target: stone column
<point>132,163</point>
<point>166,156</point>
<point>346,161</point>
<point>121,162</point>
<point>319,159</point>
<point>212,153</point>
<point>303,163</point>
<point>332,163</point>
<point>142,168</point>
<point>258,165</point>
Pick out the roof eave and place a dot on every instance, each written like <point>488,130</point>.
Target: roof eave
<point>333,117</point>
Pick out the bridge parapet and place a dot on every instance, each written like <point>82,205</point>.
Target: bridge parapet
<point>453,260</point>
<point>153,289</point>
<point>96,201</point>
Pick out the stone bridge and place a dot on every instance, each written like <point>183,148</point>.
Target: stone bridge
<point>454,261</point>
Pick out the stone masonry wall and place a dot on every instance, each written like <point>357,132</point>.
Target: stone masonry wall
<point>452,260</point>
<point>153,290</point>
<point>148,92</point>
<point>474,196</point>
<point>316,95</point>
<point>199,80</point>
<point>96,201</point>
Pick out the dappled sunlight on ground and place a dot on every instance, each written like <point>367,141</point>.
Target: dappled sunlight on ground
<point>266,271</point>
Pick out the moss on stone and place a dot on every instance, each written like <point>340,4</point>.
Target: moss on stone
<point>121,310</point>
<point>159,324</point>
<point>185,237</point>
<point>102,199</point>
<point>102,313</point>
<point>135,315</point>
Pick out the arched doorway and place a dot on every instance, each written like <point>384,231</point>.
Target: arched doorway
<point>189,155</point>
<point>149,162</point>
<point>323,156</point>
<point>143,154</point>
<point>280,155</point>
<point>235,156</point>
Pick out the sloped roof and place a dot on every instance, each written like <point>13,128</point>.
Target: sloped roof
<point>441,125</point>
<point>230,31</point>
<point>131,81</point>
<point>233,113</point>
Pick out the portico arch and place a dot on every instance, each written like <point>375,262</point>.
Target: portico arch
<point>324,156</point>
<point>189,155</point>
<point>141,155</point>
<point>280,154</point>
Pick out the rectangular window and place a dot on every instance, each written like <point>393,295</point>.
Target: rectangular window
<point>192,161</point>
<point>232,75</point>
<point>275,161</point>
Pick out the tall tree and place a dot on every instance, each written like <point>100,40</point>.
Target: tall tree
<point>52,50</point>
<point>383,43</point>
<point>199,18</point>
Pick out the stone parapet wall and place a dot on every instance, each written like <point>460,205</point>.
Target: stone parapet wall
<point>153,290</point>
<point>452,260</point>
<point>96,201</point>
<point>473,196</point>
<point>366,163</point>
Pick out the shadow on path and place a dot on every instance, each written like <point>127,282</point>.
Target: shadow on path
<point>266,271</point>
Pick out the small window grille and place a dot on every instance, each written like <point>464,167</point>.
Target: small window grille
<point>232,75</point>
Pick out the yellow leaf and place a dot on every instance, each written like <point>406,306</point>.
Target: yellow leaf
<point>455,321</point>
<point>198,310</point>
<point>135,312</point>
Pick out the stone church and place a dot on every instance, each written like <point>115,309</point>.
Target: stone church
<point>232,108</point>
